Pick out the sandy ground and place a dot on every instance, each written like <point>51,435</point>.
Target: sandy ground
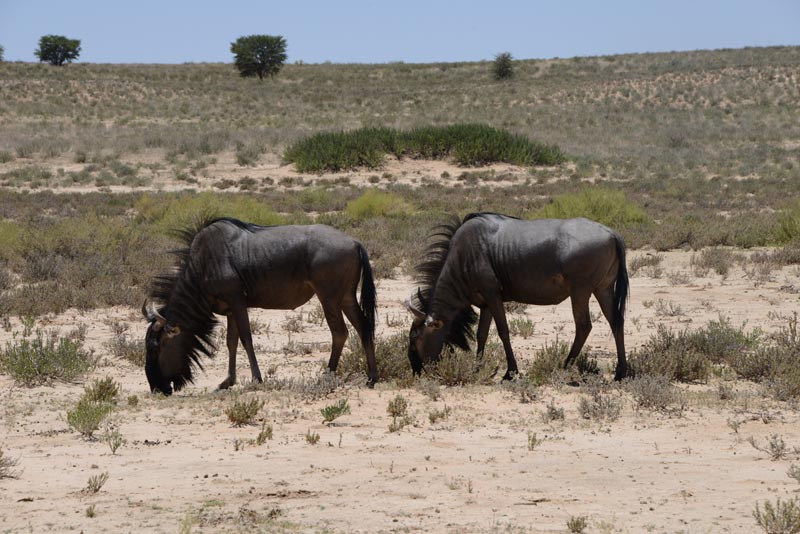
<point>186,468</point>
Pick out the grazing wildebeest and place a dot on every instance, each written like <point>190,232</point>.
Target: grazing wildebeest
<point>229,266</point>
<point>488,259</point>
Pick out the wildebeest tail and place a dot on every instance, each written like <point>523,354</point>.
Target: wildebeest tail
<point>621,285</point>
<point>368,301</point>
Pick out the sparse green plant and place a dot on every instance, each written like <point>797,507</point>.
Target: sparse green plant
<point>333,411</point>
<point>552,413</point>
<point>398,409</point>
<point>124,348</point>
<point>775,448</point>
<point>794,472</point>
<point>428,387</point>
<point>652,392</point>
<point>102,390</point>
<point>312,438</point>
<point>521,326</point>
<point>781,518</point>
<point>243,411</point>
<point>96,482</point>
<point>91,511</point>
<point>533,440</point>
<point>436,415</point>
<point>264,434</point>
<point>577,524</point>
<point>39,358</point>
<point>113,438</point>
<point>523,386</point>
<point>87,416</point>
<point>133,401</point>
<point>599,406</point>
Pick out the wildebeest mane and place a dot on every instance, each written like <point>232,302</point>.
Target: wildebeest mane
<point>428,271</point>
<point>183,302</point>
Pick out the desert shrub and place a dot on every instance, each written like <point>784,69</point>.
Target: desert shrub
<point>503,66</point>
<point>243,411</point>
<point>550,359</point>
<point>333,411</point>
<point>599,406</point>
<point>669,355</point>
<point>459,367</point>
<point>687,355</point>
<point>391,355</point>
<point>652,392</point>
<point>248,154</point>
<point>102,390</point>
<point>781,518</point>
<point>124,348</point>
<point>789,223</point>
<point>171,212</point>
<point>38,358</point>
<point>87,416</point>
<point>607,206</point>
<point>649,262</point>
<point>375,203</point>
<point>7,465</point>
<point>719,260</point>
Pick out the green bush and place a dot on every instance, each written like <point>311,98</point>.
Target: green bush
<point>375,203</point>
<point>670,355</point>
<point>87,416</point>
<point>467,144</point>
<point>40,358</point>
<point>789,223</point>
<point>606,206</point>
<point>170,212</point>
<point>503,66</point>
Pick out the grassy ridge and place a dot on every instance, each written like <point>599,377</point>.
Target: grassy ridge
<point>466,144</point>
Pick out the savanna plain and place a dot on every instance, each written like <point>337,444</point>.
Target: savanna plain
<point>693,157</point>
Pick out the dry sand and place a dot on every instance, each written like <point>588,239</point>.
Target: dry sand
<point>179,469</point>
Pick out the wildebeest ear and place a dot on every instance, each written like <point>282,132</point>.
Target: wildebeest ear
<point>172,331</point>
<point>418,314</point>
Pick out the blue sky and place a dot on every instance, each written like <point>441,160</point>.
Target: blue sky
<point>414,31</point>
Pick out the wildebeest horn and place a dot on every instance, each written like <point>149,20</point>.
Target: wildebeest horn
<point>413,309</point>
<point>151,314</point>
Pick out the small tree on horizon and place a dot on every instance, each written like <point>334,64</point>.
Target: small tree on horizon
<point>503,67</point>
<point>259,55</point>
<point>2,50</point>
<point>57,49</point>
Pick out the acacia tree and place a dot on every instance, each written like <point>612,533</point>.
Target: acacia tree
<point>259,55</point>
<point>57,49</point>
<point>1,52</point>
<point>503,67</point>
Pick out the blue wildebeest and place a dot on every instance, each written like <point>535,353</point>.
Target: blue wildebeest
<point>229,266</point>
<point>488,259</point>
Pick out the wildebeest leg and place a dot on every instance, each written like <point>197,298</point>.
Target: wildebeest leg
<point>583,325</point>
<point>357,319</point>
<point>484,323</point>
<point>606,299</point>
<point>232,340</point>
<point>494,305</point>
<point>333,316</point>
<point>239,314</point>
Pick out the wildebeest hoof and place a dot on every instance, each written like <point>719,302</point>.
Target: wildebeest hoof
<point>510,374</point>
<point>225,384</point>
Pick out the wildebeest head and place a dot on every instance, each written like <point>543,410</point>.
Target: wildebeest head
<point>168,361</point>
<point>425,339</point>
